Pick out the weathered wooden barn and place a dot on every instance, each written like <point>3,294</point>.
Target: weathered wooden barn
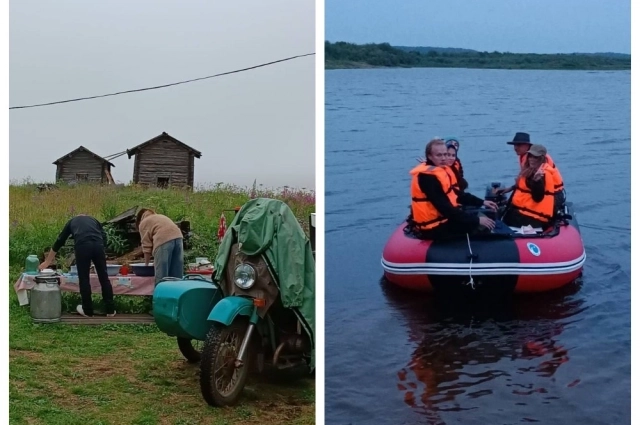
<point>82,165</point>
<point>163,161</point>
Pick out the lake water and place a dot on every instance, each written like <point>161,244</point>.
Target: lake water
<point>400,358</point>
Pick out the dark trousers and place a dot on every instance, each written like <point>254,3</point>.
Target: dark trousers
<point>85,255</point>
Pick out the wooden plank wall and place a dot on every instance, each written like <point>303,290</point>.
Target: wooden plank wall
<point>163,159</point>
<point>191,168</point>
<point>80,162</point>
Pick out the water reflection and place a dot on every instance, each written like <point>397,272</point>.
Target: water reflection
<point>463,347</point>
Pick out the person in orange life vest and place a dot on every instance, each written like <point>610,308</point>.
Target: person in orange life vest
<point>452,162</point>
<point>521,143</point>
<point>457,165</point>
<point>435,208</point>
<point>460,184</point>
<point>533,198</point>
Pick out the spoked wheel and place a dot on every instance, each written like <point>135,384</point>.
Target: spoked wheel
<point>221,381</point>
<point>191,349</point>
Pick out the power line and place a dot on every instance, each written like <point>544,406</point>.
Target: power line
<point>162,86</point>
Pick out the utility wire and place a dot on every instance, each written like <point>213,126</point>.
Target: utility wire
<point>162,86</point>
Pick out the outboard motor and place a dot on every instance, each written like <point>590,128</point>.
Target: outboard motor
<point>499,199</point>
<point>490,194</point>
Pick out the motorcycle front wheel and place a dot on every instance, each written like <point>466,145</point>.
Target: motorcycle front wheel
<point>221,382</point>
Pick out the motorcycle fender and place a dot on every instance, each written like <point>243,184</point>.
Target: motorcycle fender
<point>226,310</point>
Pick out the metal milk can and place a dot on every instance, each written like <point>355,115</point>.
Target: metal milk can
<point>46,299</point>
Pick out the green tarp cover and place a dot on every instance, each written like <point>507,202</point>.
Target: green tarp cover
<point>268,226</point>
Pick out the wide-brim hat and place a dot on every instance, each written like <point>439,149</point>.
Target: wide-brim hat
<point>520,138</point>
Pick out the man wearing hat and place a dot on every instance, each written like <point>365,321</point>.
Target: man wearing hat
<point>533,199</point>
<point>521,145</point>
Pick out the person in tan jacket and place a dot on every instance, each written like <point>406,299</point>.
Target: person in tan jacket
<point>162,239</point>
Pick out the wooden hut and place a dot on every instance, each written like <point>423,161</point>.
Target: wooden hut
<point>163,161</point>
<point>82,165</point>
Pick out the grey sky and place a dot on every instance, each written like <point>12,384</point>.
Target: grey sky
<point>517,26</point>
<point>257,124</point>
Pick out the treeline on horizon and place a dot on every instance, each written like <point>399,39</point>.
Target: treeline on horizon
<point>342,55</point>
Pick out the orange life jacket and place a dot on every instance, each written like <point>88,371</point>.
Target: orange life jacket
<point>457,165</point>
<point>425,215</point>
<point>452,177</point>
<point>558,184</point>
<point>525,204</point>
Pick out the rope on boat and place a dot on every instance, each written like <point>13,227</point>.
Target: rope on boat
<point>470,264</point>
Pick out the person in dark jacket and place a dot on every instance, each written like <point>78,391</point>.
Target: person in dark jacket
<point>89,245</point>
<point>454,221</point>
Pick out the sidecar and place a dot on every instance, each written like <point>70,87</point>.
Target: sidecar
<point>181,308</point>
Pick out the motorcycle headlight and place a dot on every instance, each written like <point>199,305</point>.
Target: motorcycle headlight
<point>244,276</point>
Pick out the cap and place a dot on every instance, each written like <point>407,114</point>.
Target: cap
<point>537,150</point>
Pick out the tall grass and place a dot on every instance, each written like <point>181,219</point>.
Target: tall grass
<point>36,218</point>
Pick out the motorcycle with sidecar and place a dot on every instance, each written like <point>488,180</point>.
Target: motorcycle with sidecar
<point>257,312</point>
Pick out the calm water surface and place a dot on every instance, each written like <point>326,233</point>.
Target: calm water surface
<point>399,358</point>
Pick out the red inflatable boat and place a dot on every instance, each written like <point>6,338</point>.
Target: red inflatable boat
<point>513,263</point>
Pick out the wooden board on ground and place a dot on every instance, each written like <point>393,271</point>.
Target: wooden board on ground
<point>119,319</point>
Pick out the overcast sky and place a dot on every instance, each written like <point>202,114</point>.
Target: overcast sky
<point>257,124</point>
<point>518,26</point>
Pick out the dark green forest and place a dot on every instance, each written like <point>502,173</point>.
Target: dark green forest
<point>342,55</point>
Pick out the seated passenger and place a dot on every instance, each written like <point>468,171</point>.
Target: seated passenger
<point>457,165</point>
<point>454,163</point>
<point>459,184</point>
<point>533,198</point>
<point>521,144</point>
<point>435,208</point>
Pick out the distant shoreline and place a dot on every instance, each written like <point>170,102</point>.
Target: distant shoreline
<point>342,55</point>
<point>332,66</point>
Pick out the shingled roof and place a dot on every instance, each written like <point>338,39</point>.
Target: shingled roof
<point>163,136</point>
<point>81,149</point>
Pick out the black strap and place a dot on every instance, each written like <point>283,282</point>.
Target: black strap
<point>425,223</point>
<point>539,214</point>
